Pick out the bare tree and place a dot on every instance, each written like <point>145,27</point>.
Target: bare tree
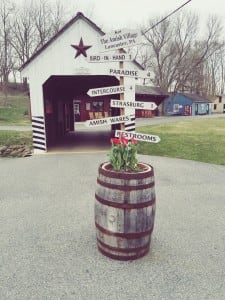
<point>23,33</point>
<point>42,22</point>
<point>6,11</point>
<point>176,57</point>
<point>57,16</point>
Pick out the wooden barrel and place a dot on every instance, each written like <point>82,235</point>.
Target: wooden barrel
<point>124,211</point>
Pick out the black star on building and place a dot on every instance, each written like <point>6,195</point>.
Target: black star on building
<point>81,49</point>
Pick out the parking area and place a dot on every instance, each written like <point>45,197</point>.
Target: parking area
<point>47,232</point>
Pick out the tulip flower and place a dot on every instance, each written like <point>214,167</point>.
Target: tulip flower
<point>123,154</point>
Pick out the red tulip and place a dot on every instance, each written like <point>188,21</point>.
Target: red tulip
<point>115,141</point>
<point>134,141</point>
<point>123,140</point>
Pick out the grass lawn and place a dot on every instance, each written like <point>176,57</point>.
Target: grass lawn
<point>199,140</point>
<point>14,110</point>
<point>11,137</point>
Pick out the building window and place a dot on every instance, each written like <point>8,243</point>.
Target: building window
<point>88,106</point>
<point>98,106</point>
<point>220,99</point>
<point>176,108</point>
<point>214,106</point>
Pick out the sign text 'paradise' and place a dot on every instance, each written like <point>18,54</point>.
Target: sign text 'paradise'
<point>129,73</point>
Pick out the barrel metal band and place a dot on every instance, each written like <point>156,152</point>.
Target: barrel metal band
<point>125,175</point>
<point>124,250</point>
<point>120,257</point>
<point>126,187</point>
<point>124,205</point>
<point>132,235</point>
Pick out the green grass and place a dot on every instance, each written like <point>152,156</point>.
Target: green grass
<point>14,110</point>
<point>198,140</point>
<point>11,137</point>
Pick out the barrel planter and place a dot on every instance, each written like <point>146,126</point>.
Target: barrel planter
<point>124,211</point>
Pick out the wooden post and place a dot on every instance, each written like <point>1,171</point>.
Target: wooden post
<point>121,65</point>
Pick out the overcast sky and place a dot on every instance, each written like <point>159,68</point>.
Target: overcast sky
<point>131,13</point>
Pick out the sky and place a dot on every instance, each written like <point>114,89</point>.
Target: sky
<point>115,14</point>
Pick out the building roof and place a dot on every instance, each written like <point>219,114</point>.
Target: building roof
<point>195,98</point>
<point>78,16</point>
<point>150,90</point>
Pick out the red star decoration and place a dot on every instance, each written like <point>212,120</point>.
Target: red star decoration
<point>81,49</point>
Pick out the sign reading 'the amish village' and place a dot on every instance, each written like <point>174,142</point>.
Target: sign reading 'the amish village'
<point>108,90</point>
<point>107,121</point>
<point>133,104</point>
<point>138,136</point>
<point>108,58</point>
<point>119,39</point>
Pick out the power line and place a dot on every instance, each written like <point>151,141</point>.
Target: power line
<point>173,12</point>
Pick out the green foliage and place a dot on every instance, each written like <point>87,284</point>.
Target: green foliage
<point>122,155</point>
<point>11,137</point>
<point>200,140</point>
<point>14,109</point>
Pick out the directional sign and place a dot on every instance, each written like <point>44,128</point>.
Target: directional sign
<point>108,90</point>
<point>119,39</point>
<point>138,136</point>
<point>107,121</point>
<point>108,58</point>
<point>129,73</point>
<point>133,104</point>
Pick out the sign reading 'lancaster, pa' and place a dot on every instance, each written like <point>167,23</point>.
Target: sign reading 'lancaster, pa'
<point>119,39</point>
<point>138,136</point>
<point>107,121</point>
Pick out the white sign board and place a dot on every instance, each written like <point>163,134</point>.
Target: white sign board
<point>119,39</point>
<point>129,73</point>
<point>107,121</point>
<point>108,58</point>
<point>138,136</point>
<point>133,104</point>
<point>108,90</point>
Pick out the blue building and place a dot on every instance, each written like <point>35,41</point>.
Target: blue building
<point>185,104</point>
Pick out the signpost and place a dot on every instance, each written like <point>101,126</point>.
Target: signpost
<point>138,136</point>
<point>108,58</point>
<point>133,104</point>
<point>108,90</point>
<point>129,73</point>
<point>107,121</point>
<point>119,39</point>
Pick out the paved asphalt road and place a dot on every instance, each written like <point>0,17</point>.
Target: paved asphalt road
<point>47,235</point>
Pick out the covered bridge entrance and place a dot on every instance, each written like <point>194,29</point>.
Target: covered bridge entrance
<point>66,103</point>
<point>60,75</point>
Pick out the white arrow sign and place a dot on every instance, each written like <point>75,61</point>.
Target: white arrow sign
<point>138,136</point>
<point>119,39</point>
<point>108,90</point>
<point>107,121</point>
<point>108,58</point>
<point>133,104</point>
<point>129,73</point>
